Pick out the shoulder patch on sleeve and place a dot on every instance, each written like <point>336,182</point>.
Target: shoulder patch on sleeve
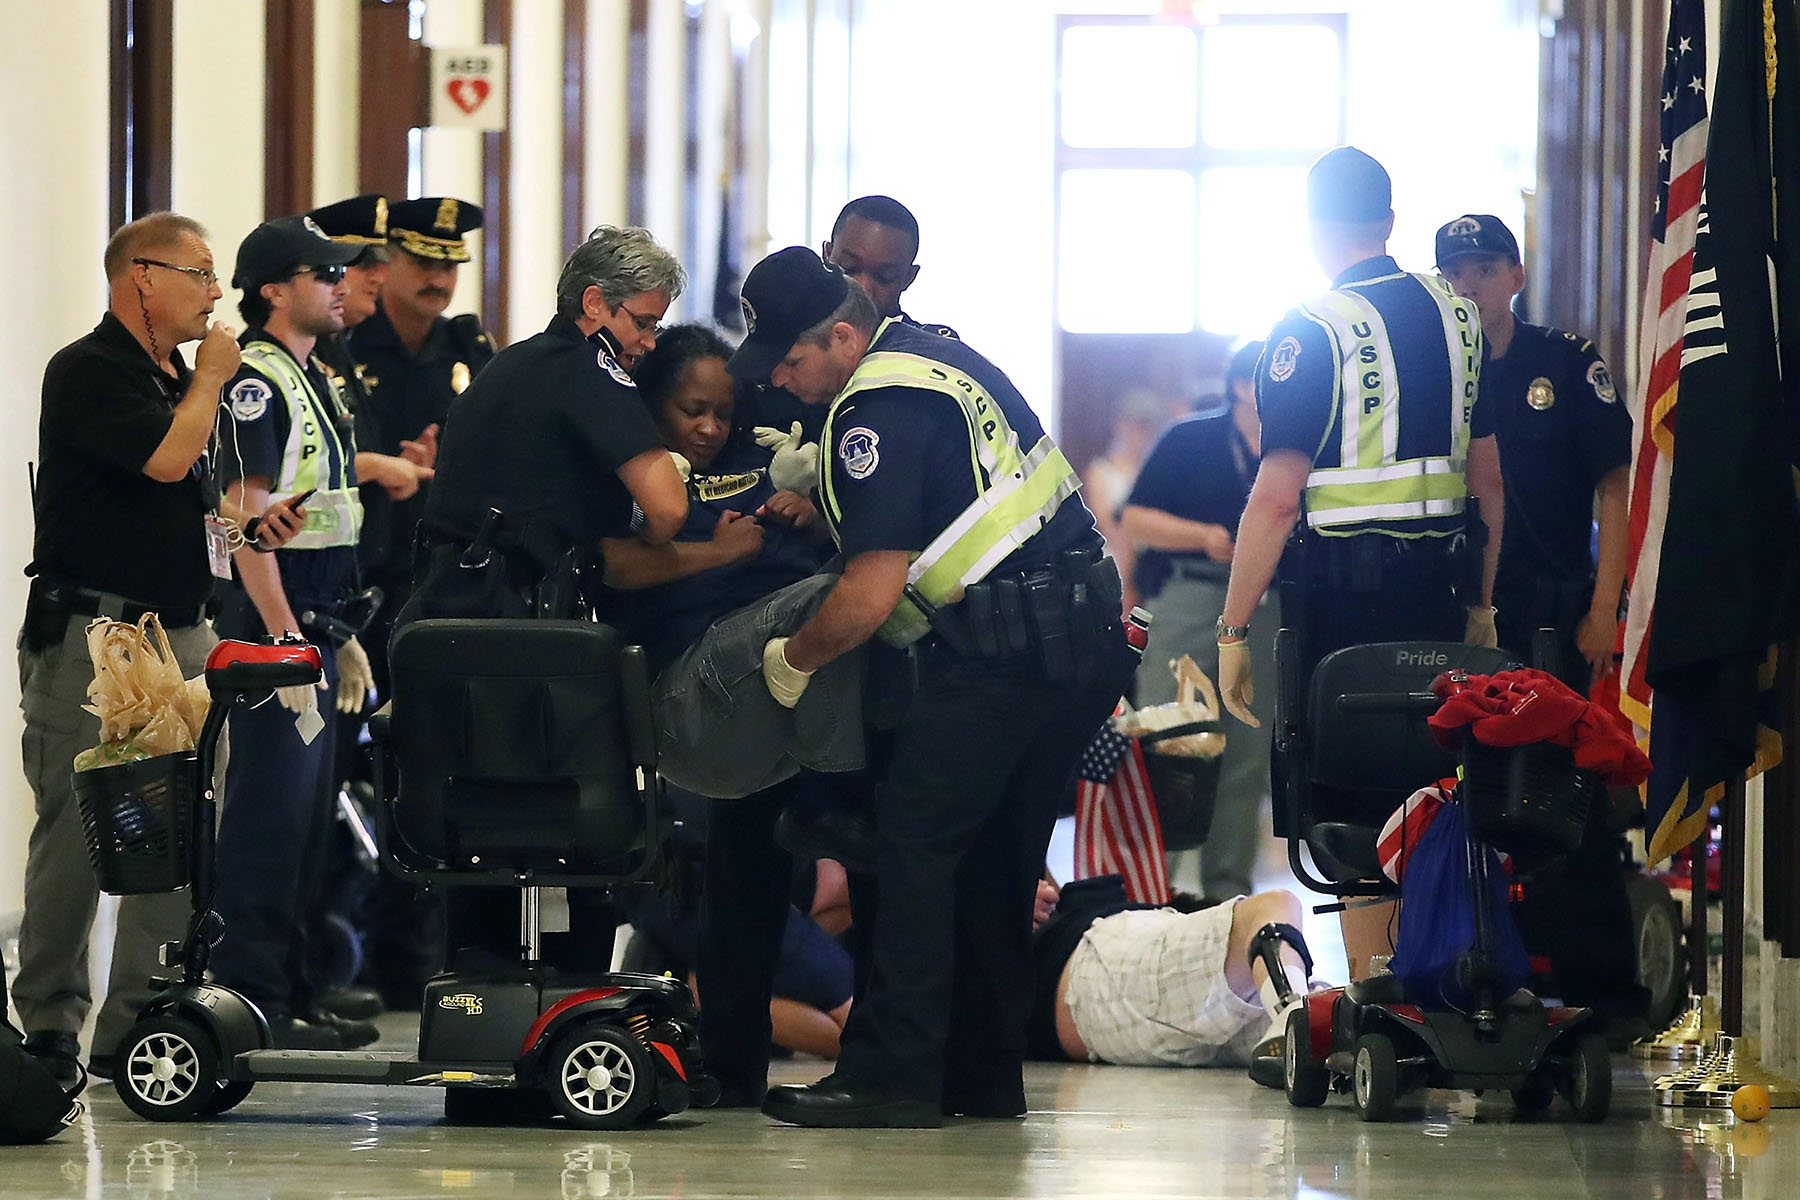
<point>1600,379</point>
<point>1284,358</point>
<point>250,399</point>
<point>859,448</point>
<point>611,366</point>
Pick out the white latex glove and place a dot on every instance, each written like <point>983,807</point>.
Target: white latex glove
<point>1237,687</point>
<point>355,677</point>
<point>786,681</point>
<point>683,467</point>
<point>301,696</point>
<point>771,438</point>
<point>1480,629</point>
<point>795,469</point>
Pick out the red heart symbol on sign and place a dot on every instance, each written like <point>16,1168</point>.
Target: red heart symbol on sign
<point>469,94</point>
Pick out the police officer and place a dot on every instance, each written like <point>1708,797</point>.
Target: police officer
<point>412,361</point>
<point>290,435</point>
<point>1372,438</point>
<point>553,437</point>
<point>965,542</point>
<point>1565,445</point>
<point>876,241</point>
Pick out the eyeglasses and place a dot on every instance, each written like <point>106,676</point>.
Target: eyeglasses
<point>649,325</point>
<point>327,275</point>
<point>206,277</point>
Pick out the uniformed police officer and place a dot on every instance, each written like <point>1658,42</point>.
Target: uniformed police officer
<point>289,435</point>
<point>1565,445</point>
<point>413,361</point>
<point>964,541</point>
<point>553,438</point>
<point>1373,437</point>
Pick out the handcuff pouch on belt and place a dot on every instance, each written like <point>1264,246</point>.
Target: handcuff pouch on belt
<point>1053,614</point>
<point>493,575</point>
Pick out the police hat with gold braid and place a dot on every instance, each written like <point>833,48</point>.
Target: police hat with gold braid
<point>358,221</point>
<point>433,227</point>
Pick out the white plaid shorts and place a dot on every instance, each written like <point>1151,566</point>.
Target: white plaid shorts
<point>1147,988</point>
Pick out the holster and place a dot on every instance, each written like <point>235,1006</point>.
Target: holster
<point>47,613</point>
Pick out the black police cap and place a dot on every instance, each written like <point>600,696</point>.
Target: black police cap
<point>358,221</point>
<point>1348,186</point>
<point>1476,233</point>
<point>433,227</point>
<point>784,295</point>
<point>275,249</point>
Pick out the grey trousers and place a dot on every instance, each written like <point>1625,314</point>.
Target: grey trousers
<point>51,991</point>
<point>1185,614</point>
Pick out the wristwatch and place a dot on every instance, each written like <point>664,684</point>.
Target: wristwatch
<point>1231,631</point>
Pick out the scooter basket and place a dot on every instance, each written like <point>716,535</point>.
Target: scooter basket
<point>1528,801</point>
<point>136,817</point>
<point>1184,786</point>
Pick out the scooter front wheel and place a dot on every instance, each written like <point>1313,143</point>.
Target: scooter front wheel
<point>168,1070</point>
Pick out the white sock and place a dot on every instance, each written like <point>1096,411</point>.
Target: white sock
<point>1271,999</point>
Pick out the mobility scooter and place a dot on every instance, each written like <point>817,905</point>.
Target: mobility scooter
<point>1350,745</point>
<point>526,759</point>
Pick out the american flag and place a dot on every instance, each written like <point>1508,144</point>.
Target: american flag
<point>1668,324</point>
<point>1116,828</point>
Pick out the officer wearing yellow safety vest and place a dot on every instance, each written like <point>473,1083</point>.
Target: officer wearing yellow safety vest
<point>1372,441</point>
<point>289,436</point>
<point>964,544</point>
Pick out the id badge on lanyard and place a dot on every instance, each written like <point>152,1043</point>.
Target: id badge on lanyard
<point>218,545</point>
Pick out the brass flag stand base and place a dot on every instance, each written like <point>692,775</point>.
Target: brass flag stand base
<point>1690,1038</point>
<point>1712,1082</point>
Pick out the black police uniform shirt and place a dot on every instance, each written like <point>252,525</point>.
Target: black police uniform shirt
<point>375,549</point>
<point>913,475</point>
<point>1561,429</point>
<point>1200,469</point>
<point>1294,377</point>
<point>252,443</point>
<point>669,617</point>
<point>101,523</point>
<point>540,435</point>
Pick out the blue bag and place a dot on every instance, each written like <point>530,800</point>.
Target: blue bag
<point>1437,916</point>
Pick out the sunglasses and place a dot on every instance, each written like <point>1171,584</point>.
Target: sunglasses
<point>327,275</point>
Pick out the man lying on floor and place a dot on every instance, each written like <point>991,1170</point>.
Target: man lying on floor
<point>1182,986</point>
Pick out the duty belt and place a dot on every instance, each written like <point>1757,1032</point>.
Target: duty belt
<point>87,602</point>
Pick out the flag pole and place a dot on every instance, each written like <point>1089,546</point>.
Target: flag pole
<point>1697,902</point>
<point>1731,886</point>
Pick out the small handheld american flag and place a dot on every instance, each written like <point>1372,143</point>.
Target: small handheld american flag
<point>1117,831</point>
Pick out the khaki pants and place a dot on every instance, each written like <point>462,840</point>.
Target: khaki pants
<point>51,991</point>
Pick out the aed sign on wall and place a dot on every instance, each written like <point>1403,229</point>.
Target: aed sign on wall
<point>468,87</point>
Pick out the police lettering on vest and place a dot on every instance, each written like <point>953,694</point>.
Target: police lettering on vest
<point>1018,476</point>
<point>306,442</point>
<point>1385,417</point>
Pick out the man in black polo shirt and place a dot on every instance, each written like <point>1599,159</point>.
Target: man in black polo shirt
<point>126,512</point>
<point>1184,510</point>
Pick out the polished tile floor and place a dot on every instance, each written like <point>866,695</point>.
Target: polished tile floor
<point>1092,1132</point>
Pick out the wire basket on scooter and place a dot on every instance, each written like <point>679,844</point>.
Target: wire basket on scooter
<point>136,818</point>
<point>1527,801</point>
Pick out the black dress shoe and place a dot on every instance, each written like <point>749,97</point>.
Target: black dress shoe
<point>288,1032</point>
<point>740,1095</point>
<point>352,1034</point>
<point>997,1106</point>
<point>356,1003</point>
<point>832,1103</point>
<point>60,1054</point>
<point>835,833</point>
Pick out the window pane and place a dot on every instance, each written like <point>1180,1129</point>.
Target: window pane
<point>1126,252</point>
<point>1128,85</point>
<point>1255,259</point>
<point>1270,86</point>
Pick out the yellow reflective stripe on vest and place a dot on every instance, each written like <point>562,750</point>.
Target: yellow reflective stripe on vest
<point>333,515</point>
<point>1016,493</point>
<point>1375,483</point>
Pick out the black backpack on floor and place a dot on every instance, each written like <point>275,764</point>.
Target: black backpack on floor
<point>32,1107</point>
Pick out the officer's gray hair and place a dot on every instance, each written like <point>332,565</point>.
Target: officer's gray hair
<point>855,310</point>
<point>622,261</point>
<point>153,233</point>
